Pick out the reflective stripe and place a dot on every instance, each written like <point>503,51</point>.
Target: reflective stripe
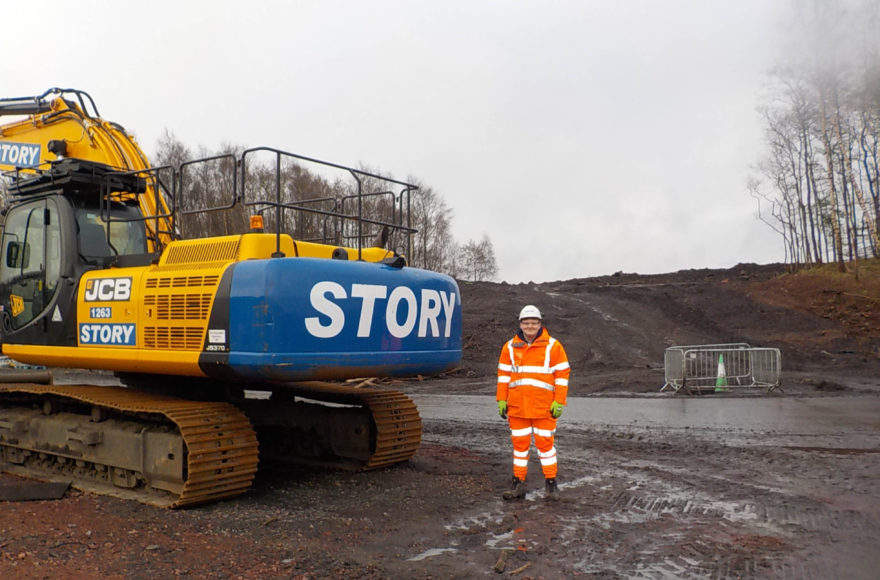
<point>560,367</point>
<point>530,369</point>
<point>503,379</point>
<point>532,382</point>
<point>521,462</point>
<point>521,432</point>
<point>551,453</point>
<point>544,432</point>
<point>550,344</point>
<point>560,382</point>
<point>504,367</point>
<point>521,453</point>
<point>548,461</point>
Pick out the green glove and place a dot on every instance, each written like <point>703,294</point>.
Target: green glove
<point>556,409</point>
<point>502,409</point>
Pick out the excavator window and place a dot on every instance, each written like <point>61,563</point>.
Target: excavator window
<point>110,233</point>
<point>93,241</point>
<point>31,260</point>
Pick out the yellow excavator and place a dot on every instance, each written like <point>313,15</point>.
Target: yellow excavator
<point>231,349</point>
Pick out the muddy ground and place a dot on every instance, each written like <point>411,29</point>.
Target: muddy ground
<point>639,500</point>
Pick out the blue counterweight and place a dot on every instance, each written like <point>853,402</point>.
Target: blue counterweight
<point>305,318</point>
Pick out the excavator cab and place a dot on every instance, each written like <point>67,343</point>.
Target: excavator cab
<point>62,223</point>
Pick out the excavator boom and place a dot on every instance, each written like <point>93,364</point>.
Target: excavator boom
<point>64,123</point>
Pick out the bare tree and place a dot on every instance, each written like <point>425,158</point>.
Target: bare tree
<point>476,261</point>
<point>433,244</point>
<point>821,170</point>
<point>170,150</point>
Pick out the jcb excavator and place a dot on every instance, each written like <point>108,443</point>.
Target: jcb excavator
<point>223,344</point>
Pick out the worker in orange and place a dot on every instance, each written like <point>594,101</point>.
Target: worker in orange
<point>532,387</point>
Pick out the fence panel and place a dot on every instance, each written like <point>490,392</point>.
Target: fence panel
<point>696,368</point>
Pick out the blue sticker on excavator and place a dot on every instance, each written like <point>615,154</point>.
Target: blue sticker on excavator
<point>301,318</point>
<point>20,154</point>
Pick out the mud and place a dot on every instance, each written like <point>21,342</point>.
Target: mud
<point>693,497</point>
<point>742,484</point>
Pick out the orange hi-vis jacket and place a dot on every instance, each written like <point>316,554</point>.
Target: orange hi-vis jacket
<point>532,376</point>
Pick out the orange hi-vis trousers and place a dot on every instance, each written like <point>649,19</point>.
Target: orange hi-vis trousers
<point>521,431</point>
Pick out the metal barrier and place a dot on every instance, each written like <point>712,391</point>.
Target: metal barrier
<point>721,367</point>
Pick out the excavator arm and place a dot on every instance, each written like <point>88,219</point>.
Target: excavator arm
<point>65,124</point>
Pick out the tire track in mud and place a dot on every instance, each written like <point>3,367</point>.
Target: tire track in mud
<point>672,507</point>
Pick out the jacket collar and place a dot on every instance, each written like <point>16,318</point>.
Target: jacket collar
<point>542,334</point>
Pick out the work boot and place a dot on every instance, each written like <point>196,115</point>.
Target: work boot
<point>517,489</point>
<point>551,489</point>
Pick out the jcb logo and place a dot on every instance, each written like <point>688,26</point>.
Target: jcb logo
<point>17,304</point>
<point>108,289</point>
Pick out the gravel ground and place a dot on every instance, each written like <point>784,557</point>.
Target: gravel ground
<point>638,501</point>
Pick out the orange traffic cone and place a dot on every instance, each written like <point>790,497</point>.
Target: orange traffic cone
<point>721,380</point>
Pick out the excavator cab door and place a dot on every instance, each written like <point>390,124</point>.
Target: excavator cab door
<point>31,265</point>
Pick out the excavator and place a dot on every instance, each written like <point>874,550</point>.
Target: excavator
<point>226,351</point>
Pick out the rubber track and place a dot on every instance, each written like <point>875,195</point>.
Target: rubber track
<point>221,445</point>
<point>396,417</point>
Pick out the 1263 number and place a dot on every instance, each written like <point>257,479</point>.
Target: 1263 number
<point>101,312</point>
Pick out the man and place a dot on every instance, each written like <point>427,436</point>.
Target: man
<point>532,387</point>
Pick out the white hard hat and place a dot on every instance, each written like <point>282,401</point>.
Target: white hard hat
<point>530,311</point>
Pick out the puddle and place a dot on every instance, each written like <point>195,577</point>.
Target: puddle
<point>776,416</point>
<point>430,554</point>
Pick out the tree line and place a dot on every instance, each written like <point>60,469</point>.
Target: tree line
<point>818,183</point>
<point>207,205</point>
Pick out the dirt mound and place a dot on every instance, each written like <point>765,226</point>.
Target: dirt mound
<point>615,328</point>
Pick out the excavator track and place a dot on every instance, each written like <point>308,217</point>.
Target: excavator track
<point>398,427</point>
<point>157,449</point>
<point>364,429</point>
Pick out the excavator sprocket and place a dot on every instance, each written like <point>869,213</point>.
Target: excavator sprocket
<point>157,449</point>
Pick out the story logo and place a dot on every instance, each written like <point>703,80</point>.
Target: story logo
<point>109,334</point>
<point>19,154</point>
<point>423,310</point>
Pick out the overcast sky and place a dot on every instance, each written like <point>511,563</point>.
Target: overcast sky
<point>583,137</point>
